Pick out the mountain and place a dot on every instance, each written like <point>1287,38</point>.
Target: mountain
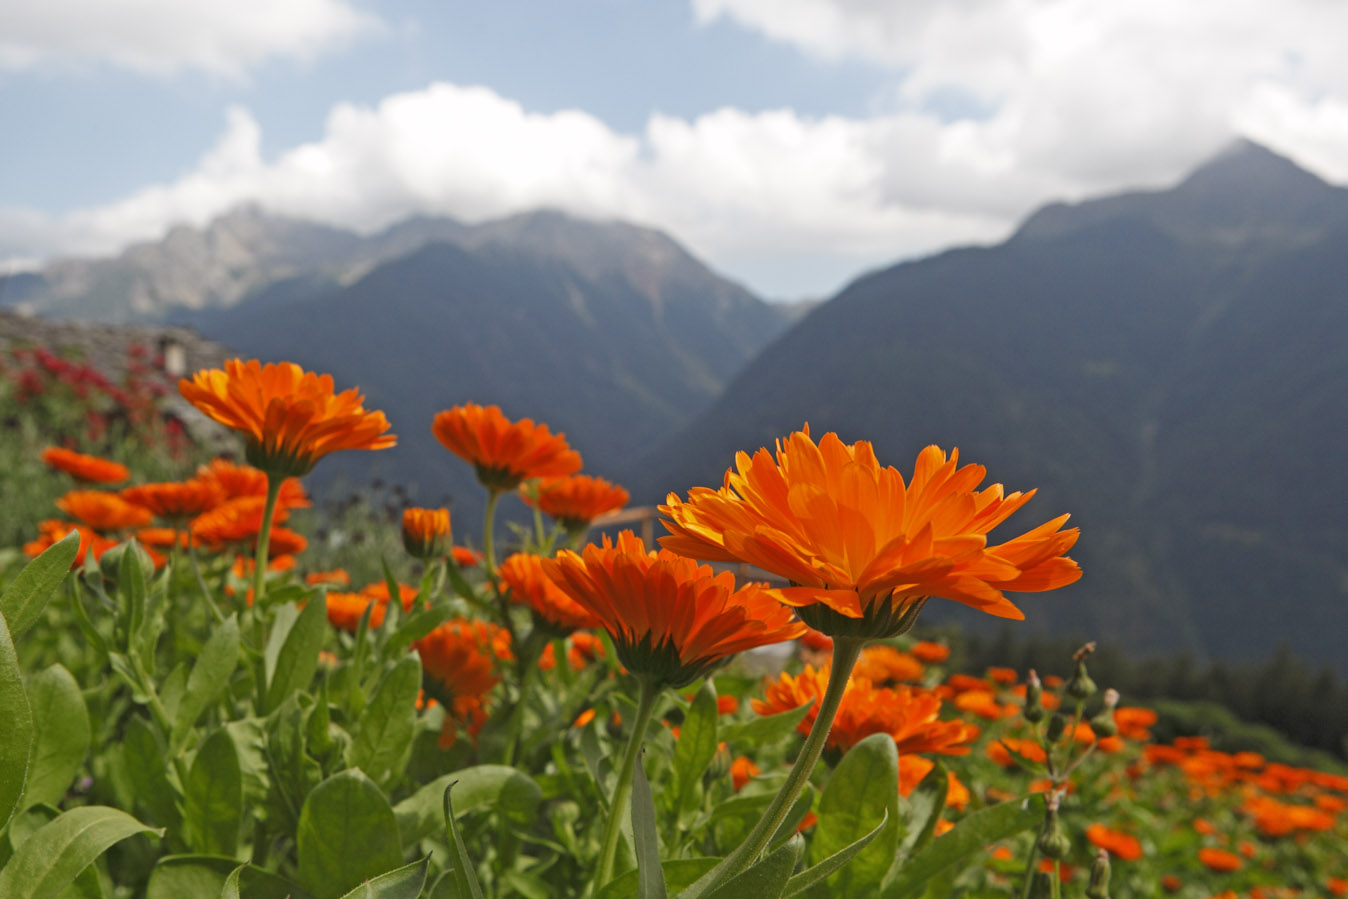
<point>609,332</point>
<point>1169,366</point>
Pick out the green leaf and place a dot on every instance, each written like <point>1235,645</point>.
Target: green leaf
<point>16,736</point>
<point>249,882</point>
<point>768,729</point>
<point>465,878</point>
<point>51,859</point>
<point>27,595</point>
<point>862,791</point>
<point>131,594</point>
<point>213,797</point>
<point>974,833</point>
<point>298,658</point>
<point>416,626</point>
<point>402,883</point>
<point>768,877</point>
<point>61,735</point>
<point>292,772</point>
<point>179,876</point>
<point>208,680</point>
<point>347,834</point>
<point>925,805</point>
<point>695,747</point>
<point>794,815</point>
<point>510,792</point>
<point>143,756</point>
<point>809,877</point>
<point>679,873</point>
<point>650,879</point>
<point>283,619</point>
<point>383,734</point>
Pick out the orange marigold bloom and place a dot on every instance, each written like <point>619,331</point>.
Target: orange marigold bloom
<point>884,664</point>
<point>1119,844</point>
<point>1004,676</point>
<point>727,704</point>
<point>162,538</point>
<point>1029,749</point>
<point>742,770</point>
<point>585,648</point>
<point>459,659</point>
<point>1171,884</point>
<point>523,576</point>
<point>103,511</point>
<point>909,715</point>
<point>1134,722</point>
<point>1219,859</point>
<point>865,549</point>
<point>83,467</point>
<point>931,653</point>
<point>235,521</point>
<point>670,618</point>
<point>239,481</point>
<point>1337,886</point>
<point>465,557</point>
<point>52,530</point>
<point>176,500</point>
<point>504,453</point>
<point>378,591</point>
<point>426,532</point>
<point>345,610</point>
<point>816,641</point>
<point>336,578</point>
<point>290,417</point>
<point>577,500</point>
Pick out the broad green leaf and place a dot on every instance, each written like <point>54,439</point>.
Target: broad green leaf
<point>464,877</point>
<point>860,793</point>
<point>650,879</point>
<point>679,873</point>
<point>768,877</point>
<point>208,680</point>
<point>347,834</point>
<point>249,882</point>
<point>298,658</point>
<point>696,746</point>
<point>768,729</point>
<point>509,791</point>
<point>974,833</point>
<point>172,688</point>
<point>383,734</point>
<point>61,735</point>
<point>403,883</point>
<point>24,599</point>
<point>16,736</point>
<point>51,859</point>
<point>283,619</point>
<point>181,876</point>
<point>131,592</point>
<point>809,877</point>
<point>143,756</point>
<point>293,773</point>
<point>924,809</point>
<point>213,797</point>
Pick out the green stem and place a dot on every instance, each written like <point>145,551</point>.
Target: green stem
<point>488,526</point>
<point>1029,871</point>
<point>264,540</point>
<point>846,650</point>
<point>622,793</point>
<point>201,583</point>
<point>528,670</point>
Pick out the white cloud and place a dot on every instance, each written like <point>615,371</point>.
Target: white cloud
<point>224,37</point>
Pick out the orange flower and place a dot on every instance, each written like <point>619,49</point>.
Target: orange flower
<point>523,576</point>
<point>1134,722</point>
<point>884,664</point>
<point>459,659</point>
<point>1004,676</point>
<point>866,550</point>
<point>931,653</point>
<point>1118,843</point>
<point>239,481</point>
<point>378,591</point>
<point>504,453</point>
<point>345,610</point>
<point>585,648</point>
<point>742,770</point>
<point>907,714</point>
<point>336,578</point>
<point>426,532</point>
<point>235,521</point>
<point>1171,884</point>
<point>577,500</point>
<point>162,538</point>
<point>53,530</point>
<point>465,557</point>
<point>103,511</point>
<point>83,467</point>
<point>290,417</point>
<point>670,618</point>
<point>176,500</point>
<point>1029,749</point>
<point>1220,859</point>
<point>727,704</point>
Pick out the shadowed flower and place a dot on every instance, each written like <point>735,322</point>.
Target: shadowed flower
<point>1119,844</point>
<point>290,417</point>
<point>426,532</point>
<point>83,467</point>
<point>459,659</point>
<point>235,521</point>
<point>863,548</point>
<point>883,665</point>
<point>504,453</point>
<point>577,500</point>
<point>742,770</point>
<point>240,481</point>
<point>465,557</point>
<point>522,574</point>
<point>103,511</point>
<point>337,577</point>
<point>176,500</point>
<point>52,530</point>
<point>671,619</point>
<point>930,653</point>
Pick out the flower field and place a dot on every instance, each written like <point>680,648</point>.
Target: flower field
<point>192,707</point>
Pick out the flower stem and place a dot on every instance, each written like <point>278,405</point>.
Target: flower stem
<point>264,540</point>
<point>489,525</point>
<point>622,793</point>
<point>846,650</point>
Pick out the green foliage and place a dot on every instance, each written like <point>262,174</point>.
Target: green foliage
<point>49,861</point>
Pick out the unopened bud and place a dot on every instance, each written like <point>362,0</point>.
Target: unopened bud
<point>1041,887</point>
<point>1056,725</point>
<point>1099,886</point>
<point>1053,843</point>
<point>1081,686</point>
<point>1034,698</point>
<point>1103,723</point>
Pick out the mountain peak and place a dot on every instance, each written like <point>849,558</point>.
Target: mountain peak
<point>1243,164</point>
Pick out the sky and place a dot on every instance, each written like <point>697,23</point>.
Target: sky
<point>790,144</point>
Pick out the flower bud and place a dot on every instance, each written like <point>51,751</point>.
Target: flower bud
<point>1034,698</point>
<point>426,533</point>
<point>1041,887</point>
<point>1080,686</point>
<point>1099,886</point>
<point>110,563</point>
<point>1103,723</point>
<point>1056,725</point>
<point>1053,843</point>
